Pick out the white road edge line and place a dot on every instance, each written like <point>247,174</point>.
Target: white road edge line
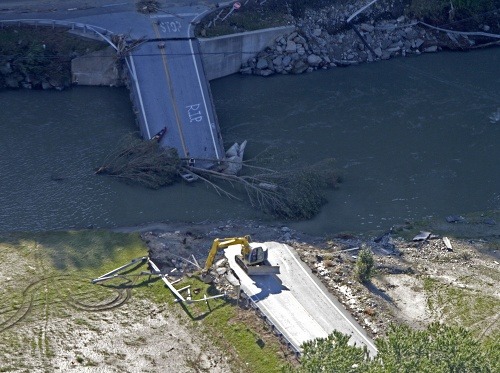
<point>203,97</point>
<point>110,5</point>
<point>140,96</point>
<point>330,301</point>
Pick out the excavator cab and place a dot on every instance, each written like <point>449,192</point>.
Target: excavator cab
<point>256,255</point>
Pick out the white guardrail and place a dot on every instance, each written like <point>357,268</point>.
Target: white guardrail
<point>283,339</point>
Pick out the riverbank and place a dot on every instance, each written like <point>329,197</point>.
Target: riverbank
<point>416,282</point>
<point>346,33</point>
<point>40,57</point>
<point>131,322</point>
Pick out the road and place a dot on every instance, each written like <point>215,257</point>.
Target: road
<point>168,85</point>
<point>296,301</point>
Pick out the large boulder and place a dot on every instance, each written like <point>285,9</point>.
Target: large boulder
<point>314,60</point>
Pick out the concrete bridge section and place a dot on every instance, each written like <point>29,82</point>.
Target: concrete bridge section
<point>171,90</point>
<point>167,81</point>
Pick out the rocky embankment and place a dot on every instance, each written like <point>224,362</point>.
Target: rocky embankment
<point>323,39</point>
<point>40,58</point>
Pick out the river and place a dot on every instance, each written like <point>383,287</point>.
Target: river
<point>413,138</point>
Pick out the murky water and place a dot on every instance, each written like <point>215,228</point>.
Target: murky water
<point>412,137</point>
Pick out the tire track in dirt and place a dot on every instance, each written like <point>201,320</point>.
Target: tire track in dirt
<point>36,295</point>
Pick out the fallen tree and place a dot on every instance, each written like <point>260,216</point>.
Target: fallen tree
<point>293,193</point>
<point>141,162</point>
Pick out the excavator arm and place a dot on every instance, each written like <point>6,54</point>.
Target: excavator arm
<point>222,243</point>
<point>253,260</point>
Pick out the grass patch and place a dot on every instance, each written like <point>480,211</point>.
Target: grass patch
<point>223,321</point>
<point>464,307</point>
<point>250,17</point>
<point>57,41</point>
<point>43,53</point>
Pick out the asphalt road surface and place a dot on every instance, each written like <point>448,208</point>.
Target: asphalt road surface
<point>296,301</point>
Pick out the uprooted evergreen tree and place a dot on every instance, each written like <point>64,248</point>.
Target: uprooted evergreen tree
<point>141,162</point>
<point>294,193</point>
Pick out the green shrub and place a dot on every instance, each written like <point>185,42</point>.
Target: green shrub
<point>364,265</point>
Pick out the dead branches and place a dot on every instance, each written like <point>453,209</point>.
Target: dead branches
<point>290,194</point>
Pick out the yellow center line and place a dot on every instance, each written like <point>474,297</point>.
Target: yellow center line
<point>169,82</point>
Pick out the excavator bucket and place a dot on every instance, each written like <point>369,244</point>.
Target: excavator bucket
<point>257,270</point>
<point>262,270</point>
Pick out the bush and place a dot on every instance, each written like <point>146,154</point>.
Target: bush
<point>364,265</point>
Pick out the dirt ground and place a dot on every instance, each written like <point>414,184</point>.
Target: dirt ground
<point>46,328</point>
<point>57,320</point>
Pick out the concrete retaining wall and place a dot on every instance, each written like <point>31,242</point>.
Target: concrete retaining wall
<point>224,55</point>
<point>98,68</point>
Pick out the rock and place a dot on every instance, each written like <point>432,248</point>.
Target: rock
<point>12,82</point>
<point>299,67</point>
<point>278,61</point>
<point>317,32</point>
<point>235,157</point>
<point>287,60</point>
<point>486,28</point>
<point>447,243</point>
<point>291,47</point>
<point>6,69</point>
<point>417,43</point>
<point>410,33</point>
<point>455,219</point>
<point>385,55</point>
<point>366,27</point>
<point>246,71</point>
<point>300,40</point>
<point>422,236</point>
<point>393,49</point>
<point>378,52</point>
<point>401,19</point>
<point>314,60</point>
<point>489,221</point>
<point>262,64</point>
<point>432,48</point>
<point>266,72</point>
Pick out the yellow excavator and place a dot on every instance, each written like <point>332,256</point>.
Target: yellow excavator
<point>252,259</point>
